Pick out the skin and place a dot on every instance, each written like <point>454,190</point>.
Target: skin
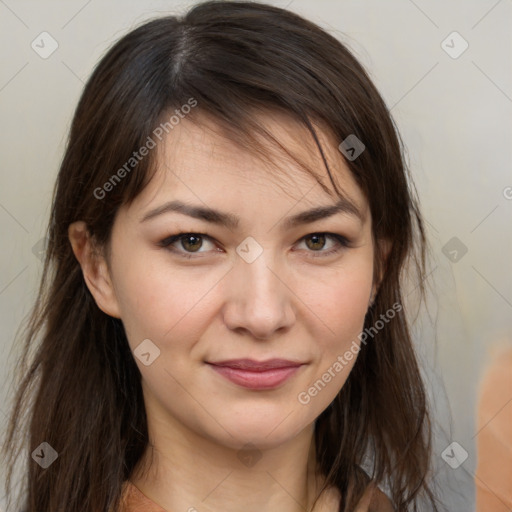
<point>287,304</point>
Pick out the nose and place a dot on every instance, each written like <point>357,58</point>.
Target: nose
<point>259,301</point>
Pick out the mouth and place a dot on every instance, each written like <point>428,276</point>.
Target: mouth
<point>252,374</point>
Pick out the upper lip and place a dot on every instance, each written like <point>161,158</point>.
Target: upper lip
<point>251,364</point>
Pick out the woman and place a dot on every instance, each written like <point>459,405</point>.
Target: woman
<point>221,317</point>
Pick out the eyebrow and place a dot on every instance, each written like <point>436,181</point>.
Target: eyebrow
<point>231,221</point>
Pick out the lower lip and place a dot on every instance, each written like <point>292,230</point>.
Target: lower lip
<point>267,379</point>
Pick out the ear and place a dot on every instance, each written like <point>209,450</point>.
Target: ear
<point>384,247</point>
<point>94,268</point>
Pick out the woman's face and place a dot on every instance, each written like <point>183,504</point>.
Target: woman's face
<point>261,288</point>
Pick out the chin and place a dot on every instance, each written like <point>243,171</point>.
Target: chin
<point>263,431</point>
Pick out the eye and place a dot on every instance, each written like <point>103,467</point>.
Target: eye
<point>192,242</point>
<point>316,241</point>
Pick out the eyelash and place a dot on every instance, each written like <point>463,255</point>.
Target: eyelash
<point>343,243</point>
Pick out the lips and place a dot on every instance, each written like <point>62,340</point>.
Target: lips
<point>257,366</point>
<point>253,374</point>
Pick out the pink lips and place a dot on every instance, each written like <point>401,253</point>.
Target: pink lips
<point>256,374</point>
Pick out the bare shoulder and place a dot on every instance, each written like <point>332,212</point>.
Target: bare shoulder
<point>374,500</point>
<point>379,501</point>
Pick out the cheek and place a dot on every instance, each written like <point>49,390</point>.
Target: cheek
<point>339,301</point>
<point>350,305</point>
<point>339,306</point>
<point>160,301</point>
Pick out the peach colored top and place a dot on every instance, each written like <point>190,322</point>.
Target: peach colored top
<point>134,500</point>
<point>493,478</point>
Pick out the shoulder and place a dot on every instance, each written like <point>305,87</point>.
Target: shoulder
<point>379,501</point>
<point>374,500</point>
<point>134,500</point>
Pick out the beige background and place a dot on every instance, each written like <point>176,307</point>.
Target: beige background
<point>455,119</point>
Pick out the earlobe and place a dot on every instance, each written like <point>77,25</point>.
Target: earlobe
<point>94,269</point>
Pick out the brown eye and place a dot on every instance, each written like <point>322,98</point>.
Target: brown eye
<point>317,241</point>
<point>316,244</point>
<point>191,242</point>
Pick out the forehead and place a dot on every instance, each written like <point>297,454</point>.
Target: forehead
<point>199,160</point>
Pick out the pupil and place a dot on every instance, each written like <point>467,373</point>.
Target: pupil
<point>315,239</point>
<point>192,237</point>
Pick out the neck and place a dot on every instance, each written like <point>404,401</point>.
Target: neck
<point>184,471</point>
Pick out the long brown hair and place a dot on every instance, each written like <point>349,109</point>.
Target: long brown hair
<point>232,59</point>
